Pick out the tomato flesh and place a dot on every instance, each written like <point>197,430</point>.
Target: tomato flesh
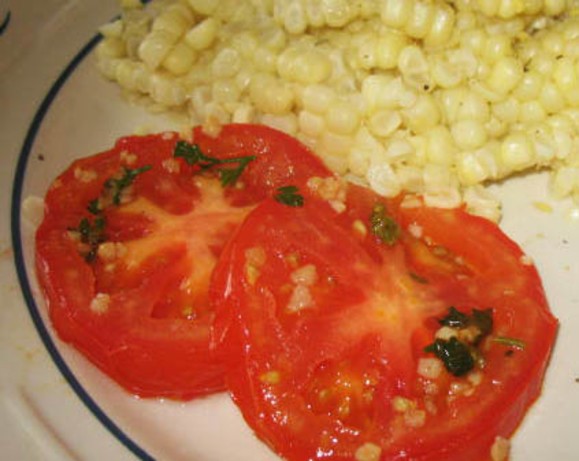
<point>140,309</point>
<point>327,366</point>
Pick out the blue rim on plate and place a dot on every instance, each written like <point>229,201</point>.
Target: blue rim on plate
<point>21,265</point>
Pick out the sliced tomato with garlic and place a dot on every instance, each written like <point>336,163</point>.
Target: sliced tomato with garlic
<point>372,329</point>
<point>130,238</point>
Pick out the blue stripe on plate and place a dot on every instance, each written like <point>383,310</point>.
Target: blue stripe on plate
<point>21,266</point>
<point>5,22</point>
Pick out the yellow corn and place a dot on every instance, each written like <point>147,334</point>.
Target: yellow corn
<point>413,95</point>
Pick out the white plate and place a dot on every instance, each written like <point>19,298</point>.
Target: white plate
<point>56,406</point>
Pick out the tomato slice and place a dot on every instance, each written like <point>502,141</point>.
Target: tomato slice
<point>329,331</point>
<point>129,241</point>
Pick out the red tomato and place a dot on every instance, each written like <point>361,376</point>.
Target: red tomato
<point>127,283</point>
<point>325,327</point>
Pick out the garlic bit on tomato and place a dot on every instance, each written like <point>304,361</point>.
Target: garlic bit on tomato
<point>360,228</point>
<point>301,297</point>
<point>110,251</point>
<point>100,303</point>
<point>331,189</point>
<point>128,158</point>
<point>254,259</point>
<point>368,452</point>
<point>84,176</point>
<point>412,414</point>
<point>500,449</point>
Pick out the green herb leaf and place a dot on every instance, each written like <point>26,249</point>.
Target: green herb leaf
<point>229,176</point>
<point>194,156</point>
<point>455,355</point>
<point>460,354</point>
<point>116,186</point>
<point>480,319</point>
<point>418,278</point>
<point>483,320</point>
<point>288,195</point>
<point>383,226</point>
<point>455,319</point>
<point>91,234</point>
<point>510,342</point>
<point>93,206</point>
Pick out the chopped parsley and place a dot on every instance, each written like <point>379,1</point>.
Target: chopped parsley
<point>510,342</point>
<point>91,231</point>
<point>114,187</point>
<point>194,156</point>
<point>383,225</point>
<point>454,319</point>
<point>418,278</point>
<point>455,355</point>
<point>480,320</point>
<point>92,234</point>
<point>94,207</point>
<point>460,353</point>
<point>288,195</point>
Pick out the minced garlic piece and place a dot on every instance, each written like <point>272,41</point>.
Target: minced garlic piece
<point>475,378</point>
<point>270,377</point>
<point>429,367</point>
<point>254,259</point>
<point>167,136</point>
<point>431,388</point>
<point>469,334</point>
<point>109,251</point>
<point>212,126</point>
<point>415,230</point>
<point>500,449</point>
<point>171,165</point>
<point>410,201</point>
<point>368,452</point>
<point>430,405</point>
<point>306,275</point>
<point>127,158</point>
<point>185,133</point>
<point>360,228</point>
<point>301,298</point>
<point>415,418</point>
<point>402,404</point>
<point>85,176</point>
<point>292,259</point>
<point>331,189</point>
<point>252,273</point>
<point>255,256</point>
<point>302,278</point>
<point>127,195</point>
<point>446,333</point>
<point>56,183</point>
<point>459,388</point>
<point>526,260</point>
<point>100,303</point>
<point>33,211</point>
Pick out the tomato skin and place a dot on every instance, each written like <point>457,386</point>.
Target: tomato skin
<point>140,310</point>
<point>321,383</point>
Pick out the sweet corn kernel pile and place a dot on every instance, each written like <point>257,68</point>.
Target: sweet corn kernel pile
<point>439,98</point>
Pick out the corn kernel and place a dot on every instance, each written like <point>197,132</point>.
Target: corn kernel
<point>469,134</point>
<point>203,34</point>
<point>517,152</point>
